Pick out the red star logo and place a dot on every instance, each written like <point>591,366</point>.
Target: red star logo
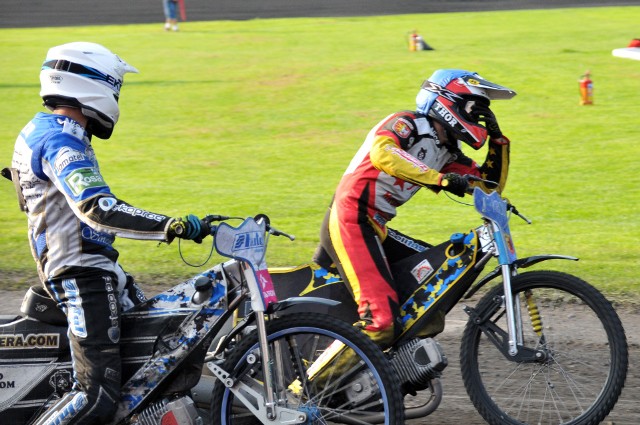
<point>401,184</point>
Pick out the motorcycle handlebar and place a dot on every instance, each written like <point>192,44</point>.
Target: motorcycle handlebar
<point>210,219</point>
<point>471,178</point>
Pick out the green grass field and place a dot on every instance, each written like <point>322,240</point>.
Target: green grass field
<point>241,117</point>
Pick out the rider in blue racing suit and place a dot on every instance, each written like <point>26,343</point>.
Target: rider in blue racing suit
<point>74,217</point>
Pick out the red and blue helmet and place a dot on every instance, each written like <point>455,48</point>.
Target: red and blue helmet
<point>449,96</point>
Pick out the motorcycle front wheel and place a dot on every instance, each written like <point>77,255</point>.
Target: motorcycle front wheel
<point>352,383</point>
<point>582,348</point>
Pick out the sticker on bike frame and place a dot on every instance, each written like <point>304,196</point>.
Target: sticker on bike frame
<point>422,271</point>
<point>266,285</point>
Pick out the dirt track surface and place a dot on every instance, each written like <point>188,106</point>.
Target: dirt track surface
<point>455,409</point>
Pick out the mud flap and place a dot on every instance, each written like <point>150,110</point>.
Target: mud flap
<point>311,280</point>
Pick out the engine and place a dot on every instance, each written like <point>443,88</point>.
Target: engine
<point>417,362</point>
<point>180,411</point>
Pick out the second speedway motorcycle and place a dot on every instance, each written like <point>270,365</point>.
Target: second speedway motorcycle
<point>541,347</point>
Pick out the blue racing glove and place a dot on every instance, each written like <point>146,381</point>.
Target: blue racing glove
<point>189,227</point>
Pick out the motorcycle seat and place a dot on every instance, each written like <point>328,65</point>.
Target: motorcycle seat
<point>38,305</point>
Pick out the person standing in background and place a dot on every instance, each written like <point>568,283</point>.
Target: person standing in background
<point>170,14</point>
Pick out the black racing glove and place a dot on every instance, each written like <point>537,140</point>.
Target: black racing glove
<point>483,113</point>
<point>189,227</point>
<point>455,183</point>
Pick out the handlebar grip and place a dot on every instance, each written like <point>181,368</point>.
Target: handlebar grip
<point>264,217</point>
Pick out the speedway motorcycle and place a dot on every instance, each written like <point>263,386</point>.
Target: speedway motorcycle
<point>542,347</point>
<point>264,367</point>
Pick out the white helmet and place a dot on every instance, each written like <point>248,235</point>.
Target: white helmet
<point>86,76</point>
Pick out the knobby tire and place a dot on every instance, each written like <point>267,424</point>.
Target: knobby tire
<point>583,374</point>
<point>331,398</point>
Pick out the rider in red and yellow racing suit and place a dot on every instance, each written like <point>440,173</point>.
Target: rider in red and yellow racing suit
<point>402,153</point>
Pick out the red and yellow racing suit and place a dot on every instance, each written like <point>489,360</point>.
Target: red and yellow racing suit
<point>401,154</point>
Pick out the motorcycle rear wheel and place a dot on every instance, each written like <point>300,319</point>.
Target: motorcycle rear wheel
<point>358,386</point>
<point>583,371</point>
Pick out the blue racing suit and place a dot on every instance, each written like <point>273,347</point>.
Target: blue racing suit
<point>73,219</point>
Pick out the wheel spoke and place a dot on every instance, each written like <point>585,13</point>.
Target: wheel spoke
<point>585,355</point>
<point>353,384</point>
